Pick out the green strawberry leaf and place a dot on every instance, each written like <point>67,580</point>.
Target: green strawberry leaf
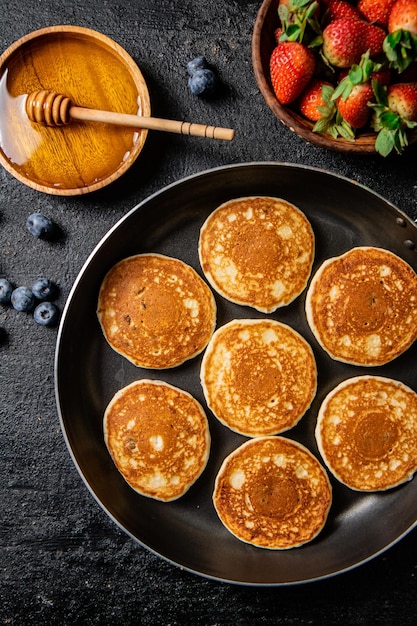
<point>369,67</point>
<point>301,4</point>
<point>385,142</point>
<point>390,120</point>
<point>283,14</point>
<point>380,92</point>
<point>390,43</point>
<point>299,22</point>
<point>322,125</point>
<point>297,4</point>
<point>391,139</point>
<point>401,140</point>
<point>409,123</point>
<point>345,130</point>
<point>356,75</point>
<point>327,93</point>
<point>334,132</point>
<point>400,48</point>
<point>343,89</point>
<point>311,10</point>
<point>316,42</point>
<point>293,32</point>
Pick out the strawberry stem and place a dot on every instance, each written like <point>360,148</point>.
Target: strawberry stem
<point>400,48</point>
<point>299,23</point>
<point>331,121</point>
<point>357,75</point>
<point>390,126</point>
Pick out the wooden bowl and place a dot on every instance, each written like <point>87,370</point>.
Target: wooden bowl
<point>94,72</point>
<point>263,43</point>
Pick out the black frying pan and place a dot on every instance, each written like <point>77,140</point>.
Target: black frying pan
<point>187,532</point>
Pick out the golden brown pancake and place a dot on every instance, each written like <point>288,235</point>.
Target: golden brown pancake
<point>257,251</point>
<point>156,310</point>
<point>259,376</point>
<point>158,437</point>
<point>362,306</point>
<point>273,493</point>
<point>367,433</point>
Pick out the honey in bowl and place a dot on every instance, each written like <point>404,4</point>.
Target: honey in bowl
<point>94,72</point>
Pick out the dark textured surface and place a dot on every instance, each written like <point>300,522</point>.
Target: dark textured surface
<point>63,561</point>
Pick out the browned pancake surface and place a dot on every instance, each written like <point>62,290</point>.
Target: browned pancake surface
<point>259,376</point>
<point>257,251</point>
<point>158,437</point>
<point>362,306</point>
<point>273,493</point>
<point>156,310</point>
<point>367,432</point>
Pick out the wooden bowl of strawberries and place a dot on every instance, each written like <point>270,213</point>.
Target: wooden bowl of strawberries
<point>340,74</point>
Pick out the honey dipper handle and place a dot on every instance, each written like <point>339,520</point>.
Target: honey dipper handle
<point>52,109</point>
<point>151,123</point>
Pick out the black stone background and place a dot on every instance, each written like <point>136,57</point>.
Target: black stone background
<point>62,560</point>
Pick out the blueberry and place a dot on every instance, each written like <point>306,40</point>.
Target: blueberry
<point>44,289</point>
<point>202,82</point>
<point>45,314</point>
<point>5,291</point>
<point>40,226</point>
<point>199,63</point>
<point>22,299</point>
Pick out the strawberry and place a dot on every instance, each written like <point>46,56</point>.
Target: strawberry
<point>277,35</point>
<point>375,11</point>
<point>355,108</point>
<point>402,99</point>
<point>354,92</point>
<point>312,98</point>
<point>316,104</point>
<point>374,39</point>
<point>395,113</point>
<point>384,76</point>
<point>291,68</point>
<point>357,74</point>
<point>403,16</point>
<point>345,40</point>
<point>330,120</point>
<point>400,45</point>
<point>336,9</point>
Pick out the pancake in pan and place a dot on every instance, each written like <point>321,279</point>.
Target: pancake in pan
<point>259,376</point>
<point>158,438</point>
<point>362,306</point>
<point>257,251</point>
<point>273,493</point>
<point>156,310</point>
<point>367,433</point>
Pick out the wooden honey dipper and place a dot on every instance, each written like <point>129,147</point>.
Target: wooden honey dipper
<point>53,109</point>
